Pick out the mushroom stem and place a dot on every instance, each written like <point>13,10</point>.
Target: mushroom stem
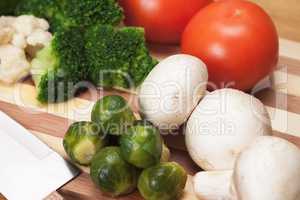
<point>258,174</point>
<point>214,185</point>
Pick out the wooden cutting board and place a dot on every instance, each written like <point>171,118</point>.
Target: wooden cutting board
<point>50,122</point>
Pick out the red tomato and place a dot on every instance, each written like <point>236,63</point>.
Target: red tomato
<point>236,39</point>
<point>163,20</point>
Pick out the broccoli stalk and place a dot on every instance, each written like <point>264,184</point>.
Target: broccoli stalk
<point>117,57</point>
<point>73,13</point>
<point>60,67</point>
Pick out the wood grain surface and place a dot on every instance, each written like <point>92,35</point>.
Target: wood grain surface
<point>282,97</point>
<point>286,15</point>
<point>50,122</point>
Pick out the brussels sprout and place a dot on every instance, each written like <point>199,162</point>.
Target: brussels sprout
<point>82,141</point>
<point>113,114</point>
<point>164,181</point>
<point>112,174</point>
<point>141,145</point>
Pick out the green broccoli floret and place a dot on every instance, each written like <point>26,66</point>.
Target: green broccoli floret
<point>47,9</point>
<point>86,47</point>
<point>73,13</point>
<point>59,68</point>
<point>117,57</point>
<point>90,12</point>
<point>39,8</point>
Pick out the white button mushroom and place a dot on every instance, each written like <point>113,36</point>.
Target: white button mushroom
<point>214,185</point>
<point>14,65</point>
<point>222,125</point>
<point>172,90</point>
<point>269,169</point>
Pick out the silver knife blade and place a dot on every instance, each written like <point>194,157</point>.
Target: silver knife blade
<point>29,169</point>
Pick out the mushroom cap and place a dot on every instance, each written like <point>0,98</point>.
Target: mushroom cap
<point>172,90</point>
<point>224,123</point>
<point>268,169</point>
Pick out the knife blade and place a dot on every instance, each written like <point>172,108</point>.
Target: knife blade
<point>29,169</point>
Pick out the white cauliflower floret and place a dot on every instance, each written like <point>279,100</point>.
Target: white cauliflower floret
<point>24,30</point>
<point>36,41</point>
<point>14,65</point>
<point>19,40</point>
<point>42,24</point>
<point>6,21</point>
<point>27,24</point>
<point>39,37</point>
<point>35,33</point>
<point>6,35</point>
<point>6,29</point>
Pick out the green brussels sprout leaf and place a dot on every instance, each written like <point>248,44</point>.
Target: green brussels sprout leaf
<point>141,145</point>
<point>82,141</point>
<point>112,174</point>
<point>113,115</point>
<point>165,181</point>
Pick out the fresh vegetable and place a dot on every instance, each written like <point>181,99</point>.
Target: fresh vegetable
<point>236,39</point>
<point>59,68</point>
<point>6,31</point>
<point>111,173</point>
<point>7,7</point>
<point>164,181</point>
<point>142,145</point>
<point>113,115</point>
<point>47,9</point>
<point>163,20</point>
<point>213,185</point>
<point>13,64</point>
<point>226,118</point>
<point>24,32</point>
<point>99,52</point>
<point>82,141</point>
<point>118,57</point>
<point>102,54</point>
<point>70,13</point>
<point>19,37</point>
<point>30,33</point>
<point>262,171</point>
<point>172,90</point>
